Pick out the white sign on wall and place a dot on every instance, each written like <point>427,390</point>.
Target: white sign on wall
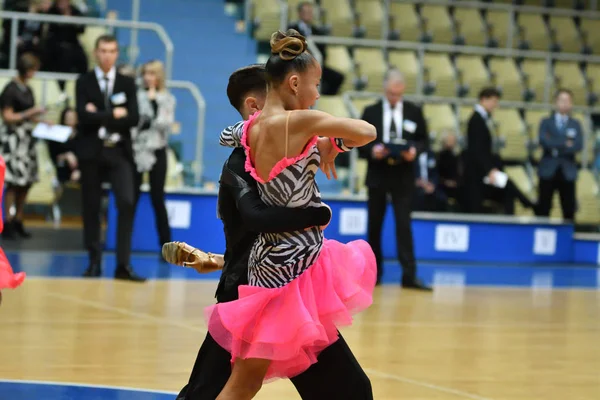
<point>180,213</point>
<point>353,221</point>
<point>452,237</point>
<point>544,241</point>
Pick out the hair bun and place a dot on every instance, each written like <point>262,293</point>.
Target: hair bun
<point>288,45</point>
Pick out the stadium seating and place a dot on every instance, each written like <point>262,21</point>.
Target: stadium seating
<point>406,21</point>
<point>333,105</point>
<point>472,74</point>
<point>340,16</point>
<point>564,32</point>
<point>408,63</point>
<point>371,64</point>
<point>511,128</point>
<point>498,23</point>
<point>370,17</point>
<point>567,74</point>
<point>519,176</point>
<point>437,23</point>
<point>449,73</point>
<point>439,74</point>
<point>470,26</point>
<point>533,33</point>
<point>440,118</point>
<point>506,76</point>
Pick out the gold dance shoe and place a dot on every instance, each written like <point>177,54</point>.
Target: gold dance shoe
<point>180,253</point>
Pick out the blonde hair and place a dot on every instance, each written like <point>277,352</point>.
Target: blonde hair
<point>158,69</point>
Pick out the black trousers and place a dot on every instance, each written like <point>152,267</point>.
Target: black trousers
<point>476,192</point>
<point>158,176</point>
<point>402,199</point>
<point>429,202</point>
<point>566,191</point>
<point>113,165</point>
<point>336,376</point>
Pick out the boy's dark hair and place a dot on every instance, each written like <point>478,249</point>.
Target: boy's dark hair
<point>488,92</point>
<point>252,78</point>
<point>105,39</point>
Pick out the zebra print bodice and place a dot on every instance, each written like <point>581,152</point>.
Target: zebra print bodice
<point>278,258</point>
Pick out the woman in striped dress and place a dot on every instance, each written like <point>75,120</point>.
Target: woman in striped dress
<point>301,287</point>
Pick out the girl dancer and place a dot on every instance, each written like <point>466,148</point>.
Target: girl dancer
<point>301,287</point>
<point>8,279</point>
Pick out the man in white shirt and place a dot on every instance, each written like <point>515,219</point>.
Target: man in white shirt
<point>107,109</point>
<point>401,134</point>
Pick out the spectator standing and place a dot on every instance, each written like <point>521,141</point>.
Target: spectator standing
<point>157,115</point>
<point>480,161</point>
<point>391,171</point>
<point>18,146</point>
<point>107,110</point>
<point>561,138</point>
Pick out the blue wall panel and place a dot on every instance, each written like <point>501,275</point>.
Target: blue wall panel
<point>434,239</point>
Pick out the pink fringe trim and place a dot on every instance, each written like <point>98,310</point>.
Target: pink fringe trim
<point>281,164</point>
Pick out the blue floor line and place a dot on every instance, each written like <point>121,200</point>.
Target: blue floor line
<point>71,265</point>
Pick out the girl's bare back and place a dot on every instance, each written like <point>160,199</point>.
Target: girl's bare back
<point>271,139</point>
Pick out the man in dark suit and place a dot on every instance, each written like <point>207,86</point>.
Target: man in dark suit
<point>107,109</point>
<point>482,167</point>
<point>479,155</point>
<point>331,80</point>
<point>561,137</point>
<point>401,134</point>
<point>429,195</point>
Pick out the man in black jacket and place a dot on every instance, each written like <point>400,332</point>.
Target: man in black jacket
<point>107,109</point>
<point>480,161</point>
<point>337,374</point>
<point>401,134</point>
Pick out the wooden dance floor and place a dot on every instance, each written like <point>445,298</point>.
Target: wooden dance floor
<point>469,343</point>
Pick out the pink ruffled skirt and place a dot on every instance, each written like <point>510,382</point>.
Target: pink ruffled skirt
<point>292,324</point>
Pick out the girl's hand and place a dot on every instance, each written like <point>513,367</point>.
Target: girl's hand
<point>328,154</point>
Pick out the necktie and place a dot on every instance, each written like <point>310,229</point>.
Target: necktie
<point>393,130</point>
<point>561,123</point>
<point>106,92</point>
